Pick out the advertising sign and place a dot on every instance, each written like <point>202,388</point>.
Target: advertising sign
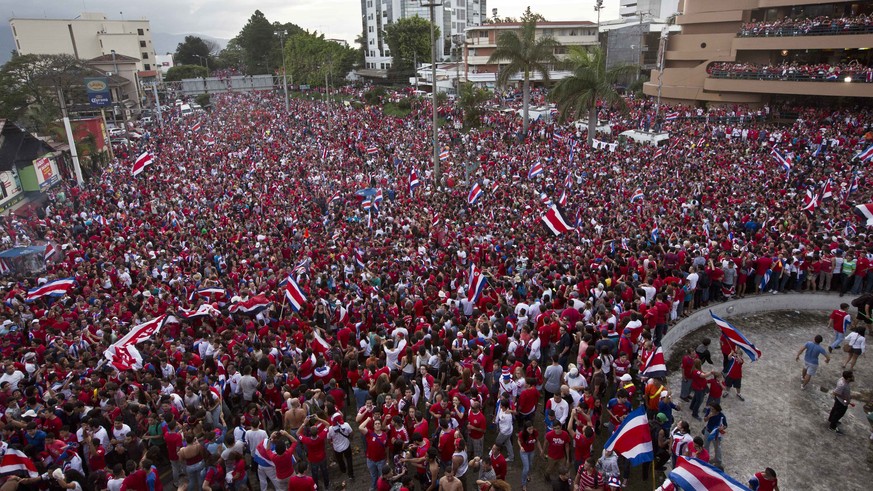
<point>98,91</point>
<point>46,172</point>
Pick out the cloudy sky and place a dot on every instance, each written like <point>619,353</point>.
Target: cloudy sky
<point>224,18</point>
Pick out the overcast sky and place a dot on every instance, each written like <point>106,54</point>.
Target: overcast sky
<point>224,18</point>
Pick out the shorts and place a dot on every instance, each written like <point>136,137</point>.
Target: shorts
<point>863,318</point>
<point>856,351</point>
<point>811,369</point>
<point>733,382</point>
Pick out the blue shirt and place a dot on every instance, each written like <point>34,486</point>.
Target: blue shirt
<point>813,351</point>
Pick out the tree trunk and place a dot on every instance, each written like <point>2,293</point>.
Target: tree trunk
<point>592,123</point>
<point>525,102</point>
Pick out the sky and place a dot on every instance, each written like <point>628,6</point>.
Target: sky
<point>340,19</point>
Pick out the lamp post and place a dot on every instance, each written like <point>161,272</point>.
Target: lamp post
<point>436,143</point>
<point>281,33</point>
<point>205,60</point>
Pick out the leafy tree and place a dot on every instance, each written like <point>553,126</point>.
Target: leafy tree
<point>589,83</point>
<point>180,72</point>
<point>309,57</point>
<point>529,16</point>
<point>188,51</point>
<point>232,56</point>
<point>257,40</point>
<point>525,54</point>
<point>361,43</point>
<point>470,99</point>
<point>407,39</point>
<point>27,80</point>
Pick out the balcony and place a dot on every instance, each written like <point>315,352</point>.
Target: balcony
<point>789,86</point>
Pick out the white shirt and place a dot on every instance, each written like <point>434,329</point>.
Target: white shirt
<point>504,422</point>
<point>561,409</point>
<point>254,438</point>
<point>391,356</point>
<point>13,379</point>
<point>339,436</point>
<point>120,433</point>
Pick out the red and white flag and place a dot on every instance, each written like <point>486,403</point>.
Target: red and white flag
<point>555,222</point>
<point>865,212</point>
<point>15,463</point>
<point>123,353</point>
<point>141,162</point>
<point>49,251</point>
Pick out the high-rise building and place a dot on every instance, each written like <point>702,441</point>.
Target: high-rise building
<point>88,36</point>
<point>452,17</point>
<point>649,8</point>
<point>759,51</point>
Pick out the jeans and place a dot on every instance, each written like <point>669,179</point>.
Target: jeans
<point>838,340</point>
<point>526,464</point>
<point>856,285</point>
<point>195,476</point>
<point>344,460</point>
<point>375,470</point>
<point>505,441</point>
<point>696,402</point>
<point>837,413</point>
<point>319,471</point>
<point>477,446</point>
<point>685,391</point>
<point>178,468</point>
<point>717,442</point>
<point>265,475</point>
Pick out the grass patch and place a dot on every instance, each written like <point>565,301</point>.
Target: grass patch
<point>392,109</point>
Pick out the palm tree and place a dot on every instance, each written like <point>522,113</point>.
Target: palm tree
<point>525,54</point>
<point>589,83</point>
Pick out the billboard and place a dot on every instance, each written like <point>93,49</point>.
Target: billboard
<point>98,91</point>
<point>10,185</point>
<point>46,170</point>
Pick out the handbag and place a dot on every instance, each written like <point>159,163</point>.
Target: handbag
<point>847,347</point>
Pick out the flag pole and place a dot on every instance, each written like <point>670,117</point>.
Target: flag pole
<point>654,484</point>
<point>282,311</point>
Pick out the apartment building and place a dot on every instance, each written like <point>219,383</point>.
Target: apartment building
<point>452,16</point>
<point>758,51</point>
<point>481,42</point>
<point>88,36</point>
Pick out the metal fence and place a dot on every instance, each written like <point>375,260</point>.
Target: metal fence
<point>855,77</point>
<point>821,30</point>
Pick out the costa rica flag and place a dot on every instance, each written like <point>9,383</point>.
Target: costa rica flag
<point>413,181</point>
<point>692,474</point>
<point>476,282</point>
<point>555,222</point>
<point>865,212</point>
<point>654,365</point>
<point>251,307</point>
<point>671,116</point>
<point>444,155</point>
<point>866,154</point>
<point>474,194</point>
<point>295,296</point>
<point>633,439</point>
<point>141,162</point>
<point>535,170</point>
<point>57,288</point>
<point>735,337</point>
<point>638,195</point>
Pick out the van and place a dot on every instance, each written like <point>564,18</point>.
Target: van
<point>186,109</point>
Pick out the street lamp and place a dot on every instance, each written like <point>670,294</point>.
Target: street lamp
<point>433,101</point>
<point>204,59</point>
<point>282,33</point>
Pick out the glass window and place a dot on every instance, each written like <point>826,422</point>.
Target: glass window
<point>145,56</point>
<point>142,44</point>
<point>139,32</point>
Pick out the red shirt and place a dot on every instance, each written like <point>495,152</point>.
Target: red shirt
<point>582,445</point>
<point>476,420</point>
<point>698,381</point>
<point>838,318</point>
<point>556,444</point>
<point>301,483</point>
<point>315,446</point>
<point>498,462</point>
<point>527,400</point>
<point>447,445</point>
<point>377,446</point>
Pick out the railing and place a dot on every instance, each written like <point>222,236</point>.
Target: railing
<point>763,30</point>
<point>777,74</point>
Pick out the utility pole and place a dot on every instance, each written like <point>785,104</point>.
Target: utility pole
<point>281,33</point>
<point>69,130</point>
<point>433,94</point>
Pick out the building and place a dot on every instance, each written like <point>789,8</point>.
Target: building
<point>481,41</point>
<point>27,164</point>
<point>88,36</point>
<point>656,8</point>
<point>758,51</point>
<point>453,17</point>
<point>633,40</point>
<point>164,62</point>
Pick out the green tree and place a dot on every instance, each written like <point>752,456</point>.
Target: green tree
<point>408,39</point>
<point>470,99</point>
<point>525,54</point>
<point>36,80</point>
<point>361,43</point>
<point>259,44</point>
<point>589,83</point>
<point>180,72</point>
<point>309,57</point>
<point>192,51</point>
<point>529,16</point>
<point>232,56</point>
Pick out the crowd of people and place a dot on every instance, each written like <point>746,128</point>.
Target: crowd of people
<point>306,277</point>
<point>805,26</point>
<point>793,71</point>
